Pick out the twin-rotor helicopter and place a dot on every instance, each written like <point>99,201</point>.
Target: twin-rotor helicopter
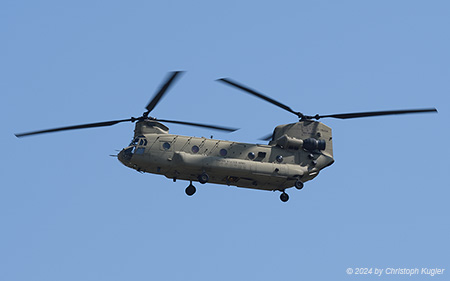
<point>295,154</point>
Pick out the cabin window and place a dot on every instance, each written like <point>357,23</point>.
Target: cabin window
<point>195,149</point>
<point>166,146</point>
<point>251,155</point>
<point>223,152</point>
<point>279,158</point>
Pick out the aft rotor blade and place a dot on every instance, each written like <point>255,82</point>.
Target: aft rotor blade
<point>169,80</point>
<point>76,127</point>
<point>198,125</point>
<point>267,137</point>
<point>374,113</point>
<point>259,95</point>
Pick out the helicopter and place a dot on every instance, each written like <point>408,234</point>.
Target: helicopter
<point>296,152</point>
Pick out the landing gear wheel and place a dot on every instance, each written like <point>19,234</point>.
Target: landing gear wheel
<point>190,190</point>
<point>298,184</point>
<point>203,178</point>
<point>284,197</point>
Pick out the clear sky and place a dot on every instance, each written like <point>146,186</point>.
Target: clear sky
<point>69,211</point>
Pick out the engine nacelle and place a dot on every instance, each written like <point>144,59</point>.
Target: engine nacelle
<point>312,144</point>
<point>289,143</point>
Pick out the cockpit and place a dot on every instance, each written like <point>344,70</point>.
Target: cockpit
<point>136,147</point>
<point>139,141</point>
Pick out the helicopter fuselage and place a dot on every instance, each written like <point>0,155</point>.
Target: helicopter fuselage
<point>276,166</point>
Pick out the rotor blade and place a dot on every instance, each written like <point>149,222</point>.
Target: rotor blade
<point>267,137</point>
<point>76,127</point>
<point>169,80</point>
<point>259,95</point>
<point>374,113</point>
<point>198,125</point>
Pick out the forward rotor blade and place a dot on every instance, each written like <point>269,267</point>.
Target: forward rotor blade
<point>374,113</point>
<point>198,125</point>
<point>169,80</point>
<point>259,95</point>
<point>76,127</point>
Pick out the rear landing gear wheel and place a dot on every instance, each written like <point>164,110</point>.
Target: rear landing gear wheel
<point>298,184</point>
<point>203,178</point>
<point>284,197</point>
<point>190,190</point>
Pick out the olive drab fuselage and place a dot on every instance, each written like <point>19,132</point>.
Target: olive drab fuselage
<point>297,151</point>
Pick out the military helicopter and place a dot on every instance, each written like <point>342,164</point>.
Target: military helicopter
<point>295,154</point>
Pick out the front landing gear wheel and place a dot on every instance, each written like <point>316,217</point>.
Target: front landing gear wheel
<point>284,197</point>
<point>190,190</point>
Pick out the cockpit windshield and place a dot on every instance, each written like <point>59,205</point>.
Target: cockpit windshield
<point>140,141</point>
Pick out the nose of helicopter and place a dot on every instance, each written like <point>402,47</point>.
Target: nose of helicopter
<point>125,155</point>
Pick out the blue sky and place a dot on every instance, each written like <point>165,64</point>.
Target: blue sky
<point>69,211</point>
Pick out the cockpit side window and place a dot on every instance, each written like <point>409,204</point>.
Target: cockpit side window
<point>140,150</point>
